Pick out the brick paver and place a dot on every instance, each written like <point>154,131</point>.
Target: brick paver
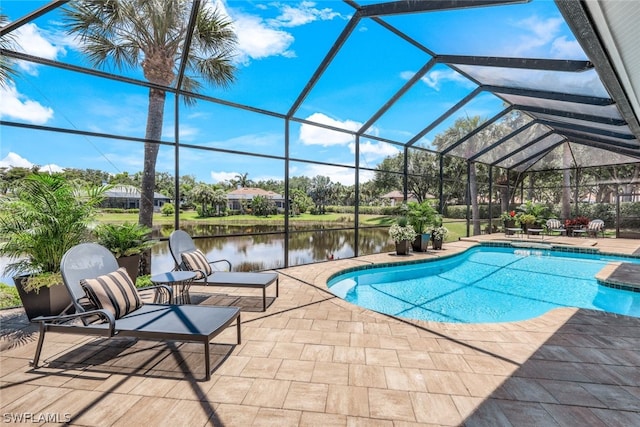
<point>312,359</point>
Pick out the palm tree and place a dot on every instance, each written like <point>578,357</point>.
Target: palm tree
<point>151,34</point>
<point>243,180</point>
<point>6,64</point>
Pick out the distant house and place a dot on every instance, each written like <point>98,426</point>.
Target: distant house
<point>396,197</point>
<point>237,197</point>
<point>128,197</point>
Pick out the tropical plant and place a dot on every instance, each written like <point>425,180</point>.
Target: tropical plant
<point>152,35</point>
<point>421,216</point>
<point>124,239</point>
<point>7,70</point>
<point>527,219</point>
<point>43,218</point>
<point>539,211</point>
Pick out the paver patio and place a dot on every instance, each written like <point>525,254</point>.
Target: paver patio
<point>313,359</point>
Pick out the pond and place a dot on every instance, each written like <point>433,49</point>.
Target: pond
<point>264,251</point>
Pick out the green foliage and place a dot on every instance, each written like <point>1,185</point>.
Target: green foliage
<point>143,281</point>
<point>167,209</point>
<point>262,206</point>
<point>527,219</point>
<point>9,296</point>
<point>538,211</point>
<point>421,215</point>
<point>124,239</point>
<point>300,201</point>
<point>43,218</point>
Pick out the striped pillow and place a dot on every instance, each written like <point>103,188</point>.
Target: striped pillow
<point>114,292</point>
<point>196,261</point>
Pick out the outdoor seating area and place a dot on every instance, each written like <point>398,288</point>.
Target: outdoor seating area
<point>241,171</point>
<point>90,271</point>
<point>188,257</point>
<point>313,359</point>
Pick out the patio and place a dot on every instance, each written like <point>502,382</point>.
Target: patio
<point>313,359</point>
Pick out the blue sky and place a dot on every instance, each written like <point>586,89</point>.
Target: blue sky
<point>281,43</point>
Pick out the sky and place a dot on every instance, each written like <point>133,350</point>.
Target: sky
<point>280,45</point>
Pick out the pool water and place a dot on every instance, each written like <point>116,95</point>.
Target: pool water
<point>487,284</point>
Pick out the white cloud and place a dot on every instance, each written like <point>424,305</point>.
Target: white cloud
<point>51,168</point>
<point>344,176</point>
<point>314,135</point>
<point>375,150</point>
<point>187,132</point>
<point>15,160</point>
<point>34,41</point>
<point>16,106</point>
<point>304,13</point>
<point>223,176</point>
<point>543,37</point>
<point>259,38</point>
<point>566,49</point>
<point>436,78</point>
<point>256,40</point>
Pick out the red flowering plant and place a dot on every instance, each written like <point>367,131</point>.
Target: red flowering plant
<point>577,221</point>
<point>509,216</point>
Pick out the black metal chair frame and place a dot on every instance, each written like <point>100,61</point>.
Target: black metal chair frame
<point>188,323</point>
<point>180,242</point>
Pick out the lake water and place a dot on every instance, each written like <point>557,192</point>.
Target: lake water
<point>265,251</point>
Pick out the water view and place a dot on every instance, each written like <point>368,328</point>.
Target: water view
<point>264,251</point>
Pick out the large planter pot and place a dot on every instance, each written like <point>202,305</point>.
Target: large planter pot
<point>131,264</point>
<point>402,247</point>
<point>421,242</point>
<point>48,301</point>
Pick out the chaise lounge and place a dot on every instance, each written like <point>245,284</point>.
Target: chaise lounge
<point>108,304</point>
<point>188,257</point>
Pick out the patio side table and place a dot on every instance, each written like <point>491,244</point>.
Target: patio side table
<point>180,281</point>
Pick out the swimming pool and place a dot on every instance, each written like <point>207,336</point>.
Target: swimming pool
<point>487,284</point>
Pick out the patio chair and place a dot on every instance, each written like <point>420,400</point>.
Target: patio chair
<point>594,227</point>
<point>188,257</point>
<point>108,304</point>
<point>555,226</point>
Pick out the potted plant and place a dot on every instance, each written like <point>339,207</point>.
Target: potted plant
<point>509,219</point>
<point>402,234</point>
<point>527,221</point>
<point>126,241</point>
<point>421,216</point>
<point>438,235</point>
<point>40,220</point>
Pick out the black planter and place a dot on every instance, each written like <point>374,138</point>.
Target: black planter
<point>48,301</point>
<point>421,242</point>
<point>131,264</point>
<point>437,244</point>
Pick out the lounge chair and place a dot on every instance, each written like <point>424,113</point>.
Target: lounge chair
<point>594,227</point>
<point>210,273</point>
<point>555,226</point>
<point>108,304</point>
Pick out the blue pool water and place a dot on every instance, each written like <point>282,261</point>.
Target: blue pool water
<point>487,284</point>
